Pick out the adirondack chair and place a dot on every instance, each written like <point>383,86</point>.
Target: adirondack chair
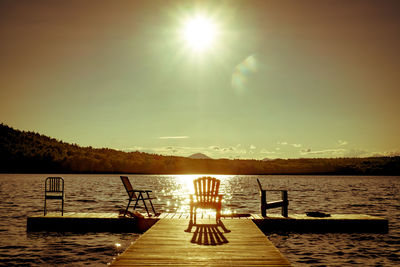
<point>205,197</point>
<point>137,195</point>
<point>284,203</point>
<point>54,189</point>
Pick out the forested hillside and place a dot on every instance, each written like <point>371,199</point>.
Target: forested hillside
<point>29,152</point>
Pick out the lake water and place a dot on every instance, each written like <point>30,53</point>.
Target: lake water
<point>22,195</point>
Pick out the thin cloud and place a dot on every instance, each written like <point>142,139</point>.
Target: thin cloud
<point>325,151</point>
<point>288,144</point>
<point>342,143</point>
<point>211,151</point>
<point>385,154</point>
<point>265,151</point>
<point>357,153</point>
<point>173,137</point>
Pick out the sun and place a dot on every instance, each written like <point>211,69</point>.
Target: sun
<point>199,33</point>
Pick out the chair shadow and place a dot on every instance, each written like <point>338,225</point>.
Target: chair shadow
<point>209,235</point>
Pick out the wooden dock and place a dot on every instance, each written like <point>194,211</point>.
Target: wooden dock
<point>88,222</point>
<point>166,244</point>
<point>336,223</point>
<point>111,222</point>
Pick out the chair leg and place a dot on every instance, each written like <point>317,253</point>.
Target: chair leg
<point>145,206</point>
<point>62,207</point>
<point>127,207</point>
<point>151,203</point>
<point>152,207</point>
<point>195,215</point>
<point>191,213</point>
<point>218,216</point>
<point>45,211</point>
<point>285,211</point>
<point>136,202</point>
<point>190,226</point>
<point>189,229</point>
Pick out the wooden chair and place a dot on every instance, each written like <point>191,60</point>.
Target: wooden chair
<point>205,197</point>
<point>137,195</point>
<point>284,203</point>
<point>54,189</point>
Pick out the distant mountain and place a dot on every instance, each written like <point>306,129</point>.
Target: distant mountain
<point>199,156</point>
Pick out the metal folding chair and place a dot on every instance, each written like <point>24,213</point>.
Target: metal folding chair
<point>137,195</point>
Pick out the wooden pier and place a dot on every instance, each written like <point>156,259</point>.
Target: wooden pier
<point>335,223</point>
<point>111,222</point>
<point>166,243</point>
<point>88,222</point>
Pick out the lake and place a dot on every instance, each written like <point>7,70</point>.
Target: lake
<point>23,194</point>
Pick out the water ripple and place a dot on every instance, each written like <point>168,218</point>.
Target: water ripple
<point>105,193</point>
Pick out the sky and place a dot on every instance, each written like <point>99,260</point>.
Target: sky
<point>280,79</point>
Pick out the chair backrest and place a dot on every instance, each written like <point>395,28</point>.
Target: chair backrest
<point>54,185</point>
<point>259,185</point>
<point>128,186</point>
<point>206,189</point>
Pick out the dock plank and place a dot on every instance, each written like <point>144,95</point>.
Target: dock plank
<point>162,215</point>
<point>166,243</point>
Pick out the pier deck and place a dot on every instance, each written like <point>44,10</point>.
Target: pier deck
<point>88,222</point>
<point>111,222</point>
<point>166,243</point>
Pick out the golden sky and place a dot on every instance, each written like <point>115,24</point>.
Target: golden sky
<point>281,79</point>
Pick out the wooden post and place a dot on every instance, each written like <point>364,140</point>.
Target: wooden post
<point>263,195</point>
<point>285,203</point>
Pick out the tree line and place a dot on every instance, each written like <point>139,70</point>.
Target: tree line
<point>30,152</point>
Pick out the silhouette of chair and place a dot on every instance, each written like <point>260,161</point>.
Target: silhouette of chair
<point>54,189</point>
<point>284,203</point>
<point>137,195</point>
<point>205,197</point>
<point>208,235</point>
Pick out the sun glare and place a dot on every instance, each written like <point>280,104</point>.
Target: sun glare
<point>199,33</point>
